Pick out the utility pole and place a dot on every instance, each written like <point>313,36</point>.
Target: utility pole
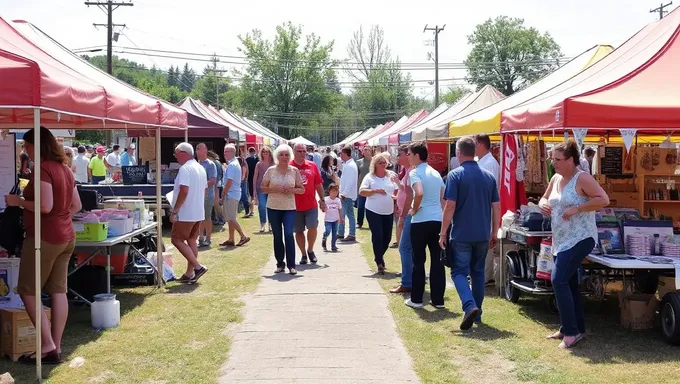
<point>661,9</point>
<point>109,6</point>
<point>436,31</point>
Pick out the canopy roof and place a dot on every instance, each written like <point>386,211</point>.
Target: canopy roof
<point>488,120</point>
<point>438,127</point>
<point>405,135</point>
<point>384,139</point>
<point>374,139</point>
<point>350,137</point>
<point>635,86</point>
<point>302,140</point>
<point>362,140</point>
<point>36,71</point>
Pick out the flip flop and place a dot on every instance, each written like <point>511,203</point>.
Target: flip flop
<point>227,244</point>
<point>50,358</point>
<point>243,241</point>
<point>555,336</point>
<point>564,345</point>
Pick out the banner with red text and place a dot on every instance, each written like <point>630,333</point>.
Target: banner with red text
<point>508,184</point>
<point>438,156</point>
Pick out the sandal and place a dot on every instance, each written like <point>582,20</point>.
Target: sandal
<point>555,336</point>
<point>565,345</point>
<point>227,244</point>
<point>243,241</point>
<point>184,278</point>
<point>50,358</point>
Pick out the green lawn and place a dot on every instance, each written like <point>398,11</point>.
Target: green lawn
<point>180,334</point>
<point>511,347</point>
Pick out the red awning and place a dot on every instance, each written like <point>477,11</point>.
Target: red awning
<point>635,86</point>
<point>35,71</point>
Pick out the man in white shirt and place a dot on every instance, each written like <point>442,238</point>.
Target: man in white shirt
<point>80,165</point>
<point>348,193</point>
<point>488,162</point>
<point>113,158</point>
<point>191,187</point>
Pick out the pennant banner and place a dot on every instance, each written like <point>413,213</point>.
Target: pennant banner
<point>579,136</point>
<point>628,134</point>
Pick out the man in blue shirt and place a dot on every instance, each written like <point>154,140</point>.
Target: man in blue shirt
<point>211,174</point>
<point>128,157</point>
<point>231,196</point>
<point>426,219</point>
<point>472,207</point>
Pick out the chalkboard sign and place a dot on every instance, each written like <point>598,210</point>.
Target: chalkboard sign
<point>612,162</point>
<point>135,174</point>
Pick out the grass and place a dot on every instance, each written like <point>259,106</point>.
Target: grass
<point>180,334</point>
<point>511,348</point>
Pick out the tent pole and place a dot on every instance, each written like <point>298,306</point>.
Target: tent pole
<point>38,239</point>
<point>501,259</point>
<point>159,210</point>
<point>186,136</point>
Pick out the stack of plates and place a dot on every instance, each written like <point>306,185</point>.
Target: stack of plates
<point>639,245</point>
<point>670,249</point>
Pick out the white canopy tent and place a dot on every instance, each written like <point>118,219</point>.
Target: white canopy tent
<point>302,140</point>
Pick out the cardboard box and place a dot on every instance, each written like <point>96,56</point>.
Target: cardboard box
<point>18,333</point>
<point>91,231</point>
<point>638,311</point>
<point>9,277</point>
<point>119,227</point>
<point>666,284</point>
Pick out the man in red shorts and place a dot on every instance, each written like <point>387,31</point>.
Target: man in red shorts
<point>307,215</point>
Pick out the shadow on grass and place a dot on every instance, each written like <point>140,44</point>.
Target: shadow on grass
<point>181,288</point>
<point>435,315</point>
<point>606,342</point>
<point>78,332</point>
<point>485,332</point>
<point>282,277</point>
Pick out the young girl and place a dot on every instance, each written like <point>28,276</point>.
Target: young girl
<point>333,217</point>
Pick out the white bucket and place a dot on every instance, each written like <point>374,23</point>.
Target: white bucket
<point>105,311</point>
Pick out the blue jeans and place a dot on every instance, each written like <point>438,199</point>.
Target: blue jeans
<point>331,229</point>
<point>262,207</point>
<point>381,234</point>
<point>348,211</point>
<point>406,253</point>
<point>97,179</point>
<point>282,223</point>
<point>361,210</point>
<point>469,259</point>
<point>565,283</point>
<point>245,200</point>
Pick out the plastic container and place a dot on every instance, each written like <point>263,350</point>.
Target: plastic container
<point>105,311</point>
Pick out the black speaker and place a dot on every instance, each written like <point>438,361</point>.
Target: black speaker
<point>88,198</point>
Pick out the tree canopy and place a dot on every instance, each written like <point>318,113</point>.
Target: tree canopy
<point>510,56</point>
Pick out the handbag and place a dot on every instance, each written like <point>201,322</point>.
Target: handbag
<point>11,222</point>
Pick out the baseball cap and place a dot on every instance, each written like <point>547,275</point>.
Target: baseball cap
<point>101,149</point>
<point>185,147</point>
<point>132,146</point>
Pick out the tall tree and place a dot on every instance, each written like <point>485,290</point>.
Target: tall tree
<point>453,94</point>
<point>367,53</point>
<point>173,76</point>
<point>212,85</point>
<point>187,79</point>
<point>508,55</point>
<point>287,75</point>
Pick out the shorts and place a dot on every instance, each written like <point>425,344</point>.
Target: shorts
<point>208,205</point>
<point>308,219</point>
<point>54,259</point>
<point>230,209</point>
<point>185,230</point>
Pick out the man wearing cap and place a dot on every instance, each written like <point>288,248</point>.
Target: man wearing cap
<point>128,157</point>
<point>191,187</point>
<point>97,169</point>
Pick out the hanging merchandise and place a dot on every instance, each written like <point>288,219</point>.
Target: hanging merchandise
<point>628,134</point>
<point>579,135</point>
<point>521,159</point>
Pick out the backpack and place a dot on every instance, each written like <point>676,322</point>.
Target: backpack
<point>12,224</point>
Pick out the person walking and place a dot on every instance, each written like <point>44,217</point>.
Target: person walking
<point>378,187</point>
<point>488,162</point>
<point>332,217</point>
<point>307,215</point>
<point>348,194</point>
<point>97,168</point>
<point>217,217</point>
<point>328,175</point>
<point>231,195</point>
<point>266,161</point>
<point>404,201</point>
<point>282,183</point>
<point>363,167</point>
<point>59,201</point>
<point>251,162</point>
<point>571,199</point>
<point>205,230</point>
<point>188,210</point>
<point>316,157</point>
<point>426,219</point>
<point>245,199</point>
<point>81,164</point>
<point>472,211</point>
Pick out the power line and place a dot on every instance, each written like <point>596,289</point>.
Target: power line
<point>436,30</point>
<point>661,9</point>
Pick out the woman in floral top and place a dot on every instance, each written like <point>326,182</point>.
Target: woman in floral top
<point>282,182</point>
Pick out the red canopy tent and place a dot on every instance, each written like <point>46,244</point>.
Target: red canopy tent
<point>39,88</point>
<point>635,86</point>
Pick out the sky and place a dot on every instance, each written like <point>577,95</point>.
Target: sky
<point>212,26</point>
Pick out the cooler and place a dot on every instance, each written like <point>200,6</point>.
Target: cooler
<point>119,257</point>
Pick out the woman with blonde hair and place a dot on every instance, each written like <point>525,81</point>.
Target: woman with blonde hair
<point>378,187</point>
<point>258,196</point>
<point>281,183</point>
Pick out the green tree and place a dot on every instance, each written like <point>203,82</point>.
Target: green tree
<point>287,76</point>
<point>453,94</point>
<point>508,55</point>
<point>187,79</point>
<point>173,76</point>
<point>212,85</point>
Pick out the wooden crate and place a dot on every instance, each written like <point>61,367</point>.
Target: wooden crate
<point>18,333</point>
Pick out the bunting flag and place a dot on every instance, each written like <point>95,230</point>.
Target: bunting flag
<point>628,134</point>
<point>579,136</point>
